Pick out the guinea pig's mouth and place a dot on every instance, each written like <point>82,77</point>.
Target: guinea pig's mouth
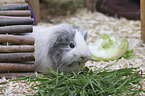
<point>75,66</point>
<point>76,63</point>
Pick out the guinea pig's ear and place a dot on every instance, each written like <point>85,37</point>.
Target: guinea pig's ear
<point>59,39</point>
<point>84,33</point>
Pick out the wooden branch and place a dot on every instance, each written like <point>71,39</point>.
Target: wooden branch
<point>28,62</point>
<point>11,1</point>
<point>16,13</point>
<point>17,39</point>
<point>16,57</point>
<point>16,29</point>
<point>142,3</point>
<point>15,7</point>
<point>1,5</point>
<point>17,75</point>
<point>15,67</point>
<point>36,10</point>
<point>6,22</point>
<point>12,17</point>
<point>22,48</point>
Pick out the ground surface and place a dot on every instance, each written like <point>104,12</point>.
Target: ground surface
<point>95,24</point>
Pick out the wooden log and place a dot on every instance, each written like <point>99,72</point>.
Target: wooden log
<point>142,3</point>
<point>16,29</point>
<point>91,5</point>
<point>6,22</point>
<point>16,75</point>
<point>16,57</point>
<point>22,48</point>
<point>12,17</point>
<point>17,39</point>
<point>36,10</point>
<point>15,7</point>
<point>28,62</point>
<point>1,5</point>
<point>15,13</point>
<point>11,1</point>
<point>15,67</point>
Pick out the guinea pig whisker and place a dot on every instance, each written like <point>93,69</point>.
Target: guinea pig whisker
<point>61,65</point>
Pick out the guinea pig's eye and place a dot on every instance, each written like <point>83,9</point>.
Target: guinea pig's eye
<point>71,45</point>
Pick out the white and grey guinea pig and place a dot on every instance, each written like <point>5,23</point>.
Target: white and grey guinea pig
<point>61,47</point>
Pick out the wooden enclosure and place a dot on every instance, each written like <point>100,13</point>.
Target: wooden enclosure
<point>142,11</point>
<point>16,51</point>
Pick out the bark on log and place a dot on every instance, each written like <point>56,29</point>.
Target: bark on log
<point>17,75</point>
<point>91,5</point>
<point>28,62</point>
<point>12,49</point>
<point>16,29</point>
<point>15,7</point>
<point>6,22</point>
<point>142,3</point>
<point>17,39</point>
<point>15,67</point>
<point>1,5</point>
<point>11,1</point>
<point>12,17</point>
<point>16,57</point>
<point>16,13</point>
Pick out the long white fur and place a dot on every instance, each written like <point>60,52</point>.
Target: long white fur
<point>42,40</point>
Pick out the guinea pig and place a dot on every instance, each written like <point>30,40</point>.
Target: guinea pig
<point>60,47</point>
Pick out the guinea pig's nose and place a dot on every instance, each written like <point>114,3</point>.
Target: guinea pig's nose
<point>85,58</point>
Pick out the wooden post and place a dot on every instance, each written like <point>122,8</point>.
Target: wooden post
<point>34,4</point>
<point>142,3</point>
<point>91,5</point>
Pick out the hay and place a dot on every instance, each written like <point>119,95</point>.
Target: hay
<point>95,24</point>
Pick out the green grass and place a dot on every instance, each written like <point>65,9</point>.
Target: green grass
<point>89,83</point>
<point>129,54</point>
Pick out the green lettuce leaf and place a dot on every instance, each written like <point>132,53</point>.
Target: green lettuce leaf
<point>108,47</point>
